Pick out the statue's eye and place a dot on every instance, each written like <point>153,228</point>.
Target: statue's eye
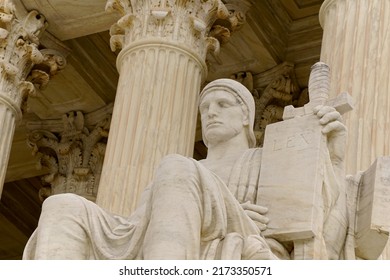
<point>223,104</point>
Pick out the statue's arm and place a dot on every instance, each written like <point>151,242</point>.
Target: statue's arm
<point>335,226</point>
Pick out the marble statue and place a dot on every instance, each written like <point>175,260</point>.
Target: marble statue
<point>192,209</point>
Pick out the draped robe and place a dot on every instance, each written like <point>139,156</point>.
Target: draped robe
<point>187,212</point>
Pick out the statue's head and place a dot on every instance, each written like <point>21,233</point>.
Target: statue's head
<point>241,96</point>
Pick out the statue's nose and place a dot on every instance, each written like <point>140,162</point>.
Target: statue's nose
<point>213,109</point>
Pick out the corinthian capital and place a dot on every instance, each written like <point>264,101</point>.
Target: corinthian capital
<point>184,23</point>
<point>72,149</point>
<point>19,40</point>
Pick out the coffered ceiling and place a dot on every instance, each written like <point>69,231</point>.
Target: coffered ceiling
<point>276,31</point>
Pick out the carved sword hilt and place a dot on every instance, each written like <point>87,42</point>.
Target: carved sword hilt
<point>319,83</point>
<point>319,89</point>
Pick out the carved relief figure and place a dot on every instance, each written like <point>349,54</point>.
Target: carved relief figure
<point>193,209</point>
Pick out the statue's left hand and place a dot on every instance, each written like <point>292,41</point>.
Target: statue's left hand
<point>335,131</point>
<point>256,213</point>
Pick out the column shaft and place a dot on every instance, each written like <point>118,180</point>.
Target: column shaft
<point>356,46</point>
<point>154,114</point>
<point>7,128</point>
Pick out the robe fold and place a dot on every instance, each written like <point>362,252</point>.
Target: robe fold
<point>72,227</point>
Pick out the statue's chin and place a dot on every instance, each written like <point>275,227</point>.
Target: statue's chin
<point>216,136</point>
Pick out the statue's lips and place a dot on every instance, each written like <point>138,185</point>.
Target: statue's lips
<point>213,123</point>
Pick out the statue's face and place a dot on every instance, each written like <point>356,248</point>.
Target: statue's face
<point>222,116</point>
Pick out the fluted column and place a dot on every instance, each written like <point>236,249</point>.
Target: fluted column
<point>7,129</point>
<point>161,66</point>
<point>18,53</point>
<point>356,46</point>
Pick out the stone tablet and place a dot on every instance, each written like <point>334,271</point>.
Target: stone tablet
<point>291,178</point>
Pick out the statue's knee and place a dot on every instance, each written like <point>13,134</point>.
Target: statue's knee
<point>63,217</point>
<point>62,205</point>
<point>176,166</point>
<point>176,174</point>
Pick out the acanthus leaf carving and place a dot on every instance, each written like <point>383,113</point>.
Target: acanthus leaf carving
<point>7,7</point>
<point>39,78</point>
<point>26,89</point>
<point>3,33</point>
<point>237,12</point>
<point>35,55</point>
<point>187,23</point>
<point>124,22</point>
<point>221,33</point>
<point>117,5</point>
<point>213,45</point>
<point>6,18</point>
<point>117,38</point>
<point>270,105</point>
<point>74,156</point>
<point>49,63</point>
<point>19,52</point>
<point>9,69</point>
